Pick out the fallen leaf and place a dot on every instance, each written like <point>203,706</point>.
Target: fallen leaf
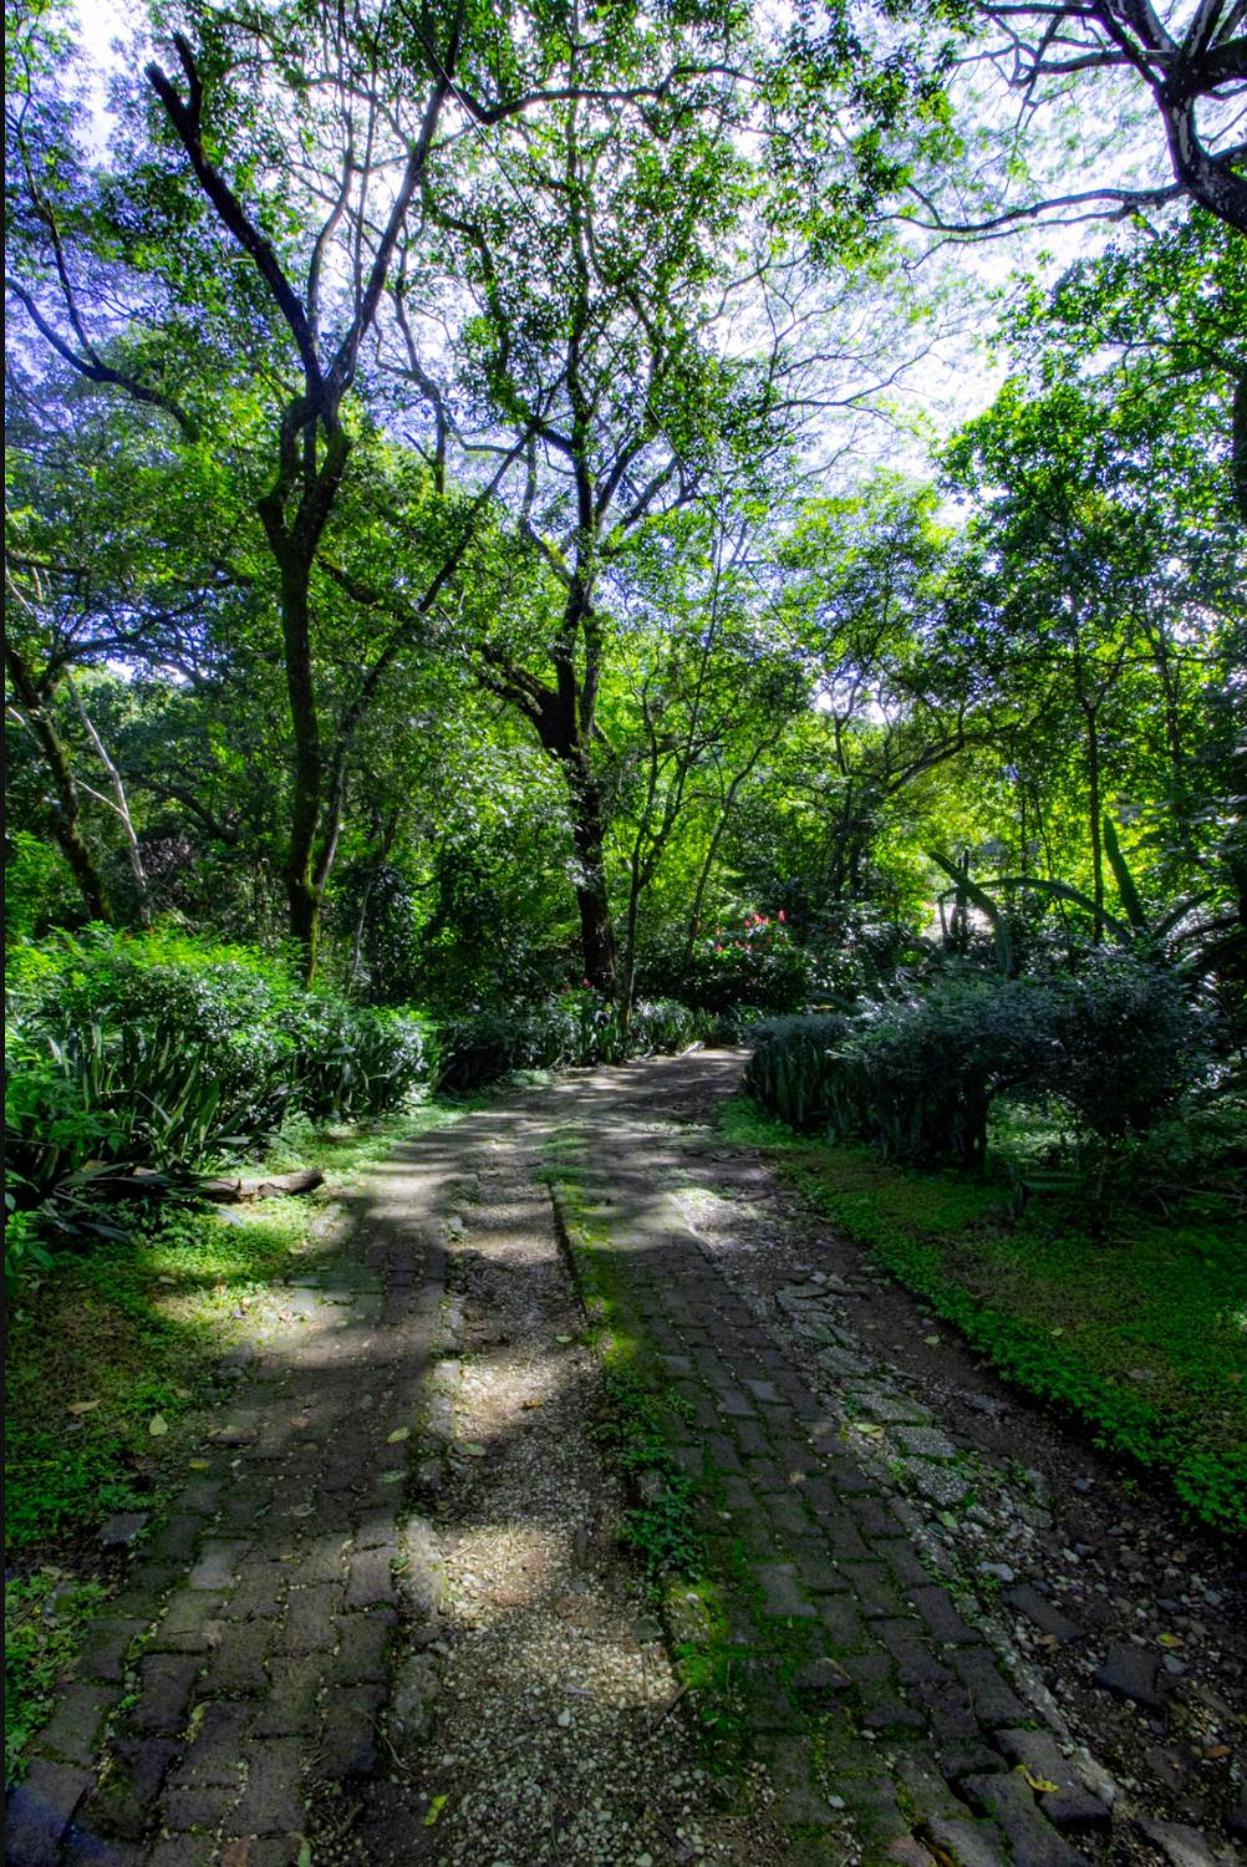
<point>157,1426</point>
<point>398,1435</point>
<point>183,1393</point>
<point>81,1406</point>
<point>526,1406</point>
<point>1170,1640</point>
<point>1040,1784</point>
<point>199,1465</point>
<point>565,1338</point>
<point>869,1429</point>
<point>933,1341</point>
<point>1214,1751</point>
<point>435,1808</point>
<point>1059,1330</point>
<point>474,1449</point>
<point>305,1853</point>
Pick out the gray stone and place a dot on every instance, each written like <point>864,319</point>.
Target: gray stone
<point>1130,1672</point>
<point>1070,1806</point>
<point>1042,1614</point>
<point>925,1442</point>
<point>414,1691</point>
<point>1181,1845</point>
<point>1008,1800</point>
<point>124,1529</point>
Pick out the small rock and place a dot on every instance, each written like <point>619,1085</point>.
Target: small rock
<point>1130,1672</point>
<point>565,1719</point>
<point>123,1530</point>
<point>1001,1571</point>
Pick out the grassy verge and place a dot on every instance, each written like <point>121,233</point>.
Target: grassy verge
<point>112,1359</point>
<point>1142,1339</point>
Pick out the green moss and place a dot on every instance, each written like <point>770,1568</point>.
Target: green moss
<point>45,1616</point>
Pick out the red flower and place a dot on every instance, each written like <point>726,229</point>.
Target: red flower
<point>782,916</point>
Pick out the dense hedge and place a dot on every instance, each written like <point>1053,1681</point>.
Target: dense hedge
<point>917,1075</point>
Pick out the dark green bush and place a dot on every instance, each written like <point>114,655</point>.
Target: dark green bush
<point>757,963</point>
<point>575,1028</point>
<point>1129,1045</point>
<point>917,1075</point>
<point>166,1053</point>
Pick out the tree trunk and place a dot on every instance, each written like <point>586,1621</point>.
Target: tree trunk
<point>303,895</point>
<point>597,937</point>
<point>1097,828</point>
<point>67,819</point>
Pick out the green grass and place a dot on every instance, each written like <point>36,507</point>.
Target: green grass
<point>112,1340</point>
<point>1142,1338</point>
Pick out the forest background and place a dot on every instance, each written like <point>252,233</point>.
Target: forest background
<point>541,532</point>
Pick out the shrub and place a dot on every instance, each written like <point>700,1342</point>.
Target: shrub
<point>167,1053</point>
<point>1129,1045</point>
<point>575,1028</point>
<point>758,963</point>
<point>916,1075</point>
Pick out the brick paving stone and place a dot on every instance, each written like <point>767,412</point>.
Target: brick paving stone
<point>782,1595</point>
<point>325,1560</point>
<point>183,1851</point>
<point>876,1591</point>
<point>166,1683</point>
<point>291,1708</point>
<point>370,1580</point>
<point>40,1810</point>
<point>939,1611</point>
<point>311,1623</point>
<point>259,1594</point>
<point>236,1668</point>
<point>363,1639</point>
<point>217,1565</point>
<point>842,1617</point>
<point>175,1541</point>
<point>792,1521</point>
<point>189,1623</point>
<point>722,1453</point>
<point>202,1498</point>
<point>916,1663</point>
<point>108,1642</point>
<point>348,1745</point>
<point>215,1751</point>
<point>377,1530</point>
<point>970,1844</point>
<point>1008,1801</point>
<point>764,1475</point>
<point>751,1439</point>
<point>71,1735</point>
<point>995,1702</point>
<point>818,1572</point>
<point>272,1802</point>
<point>137,1768</point>
<point>1070,1806</point>
<point>197,1805</point>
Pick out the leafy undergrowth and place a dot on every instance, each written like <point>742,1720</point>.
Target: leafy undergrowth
<point>112,1358</point>
<point>1143,1337</point>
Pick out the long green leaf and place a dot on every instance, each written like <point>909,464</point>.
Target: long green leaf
<point>1124,879</point>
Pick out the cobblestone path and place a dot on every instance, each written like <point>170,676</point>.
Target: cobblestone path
<point>252,1633</point>
<point>247,1699</point>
